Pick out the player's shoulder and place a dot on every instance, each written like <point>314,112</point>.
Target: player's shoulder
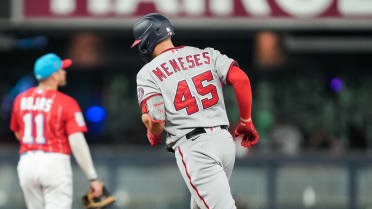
<point>191,48</point>
<point>210,49</point>
<point>25,93</point>
<point>194,48</point>
<point>142,71</point>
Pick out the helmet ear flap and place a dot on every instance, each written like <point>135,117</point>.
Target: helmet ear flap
<point>145,51</point>
<point>143,47</point>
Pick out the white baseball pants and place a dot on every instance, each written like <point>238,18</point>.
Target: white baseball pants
<point>46,180</point>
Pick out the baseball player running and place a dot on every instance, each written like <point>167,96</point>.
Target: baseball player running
<point>49,126</point>
<point>180,91</point>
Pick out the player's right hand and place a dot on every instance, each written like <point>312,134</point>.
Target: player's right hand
<point>154,139</point>
<point>154,127</point>
<point>97,188</point>
<point>248,132</point>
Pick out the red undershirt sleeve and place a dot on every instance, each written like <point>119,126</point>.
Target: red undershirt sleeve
<point>242,88</point>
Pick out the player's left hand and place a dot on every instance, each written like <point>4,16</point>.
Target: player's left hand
<point>97,188</point>
<point>248,132</point>
<point>91,201</point>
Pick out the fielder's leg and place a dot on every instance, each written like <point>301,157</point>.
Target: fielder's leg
<point>33,196</point>
<point>57,182</point>
<point>29,183</point>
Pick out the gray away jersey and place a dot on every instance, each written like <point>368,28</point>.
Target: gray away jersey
<point>190,81</point>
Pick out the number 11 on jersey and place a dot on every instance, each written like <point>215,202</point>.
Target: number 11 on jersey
<point>28,124</point>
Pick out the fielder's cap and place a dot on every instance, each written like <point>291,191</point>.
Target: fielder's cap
<point>49,63</point>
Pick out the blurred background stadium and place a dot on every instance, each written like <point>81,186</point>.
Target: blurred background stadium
<point>310,66</point>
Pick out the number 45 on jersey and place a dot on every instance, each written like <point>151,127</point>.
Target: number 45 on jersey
<point>184,98</point>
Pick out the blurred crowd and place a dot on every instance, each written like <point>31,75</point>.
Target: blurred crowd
<point>303,101</point>
<point>306,102</point>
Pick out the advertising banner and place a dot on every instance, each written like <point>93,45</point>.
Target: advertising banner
<point>211,12</point>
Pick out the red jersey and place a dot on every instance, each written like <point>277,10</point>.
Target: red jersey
<point>44,119</point>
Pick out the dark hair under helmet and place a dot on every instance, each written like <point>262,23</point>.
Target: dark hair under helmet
<point>150,30</point>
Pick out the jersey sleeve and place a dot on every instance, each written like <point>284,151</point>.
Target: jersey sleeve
<point>14,124</point>
<point>222,64</point>
<point>74,118</point>
<point>146,86</point>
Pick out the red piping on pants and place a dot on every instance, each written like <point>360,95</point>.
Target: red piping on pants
<point>188,175</point>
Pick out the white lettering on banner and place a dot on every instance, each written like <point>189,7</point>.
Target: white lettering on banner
<point>129,7</point>
<point>308,8</point>
<point>99,7</point>
<point>221,7</point>
<point>296,8</point>
<point>355,7</point>
<point>194,7</point>
<point>166,6</point>
<point>126,7</point>
<point>62,7</point>
<point>257,7</point>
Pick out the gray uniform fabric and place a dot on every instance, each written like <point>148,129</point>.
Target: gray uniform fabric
<point>190,82</point>
<point>180,122</point>
<point>155,107</point>
<point>206,164</point>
